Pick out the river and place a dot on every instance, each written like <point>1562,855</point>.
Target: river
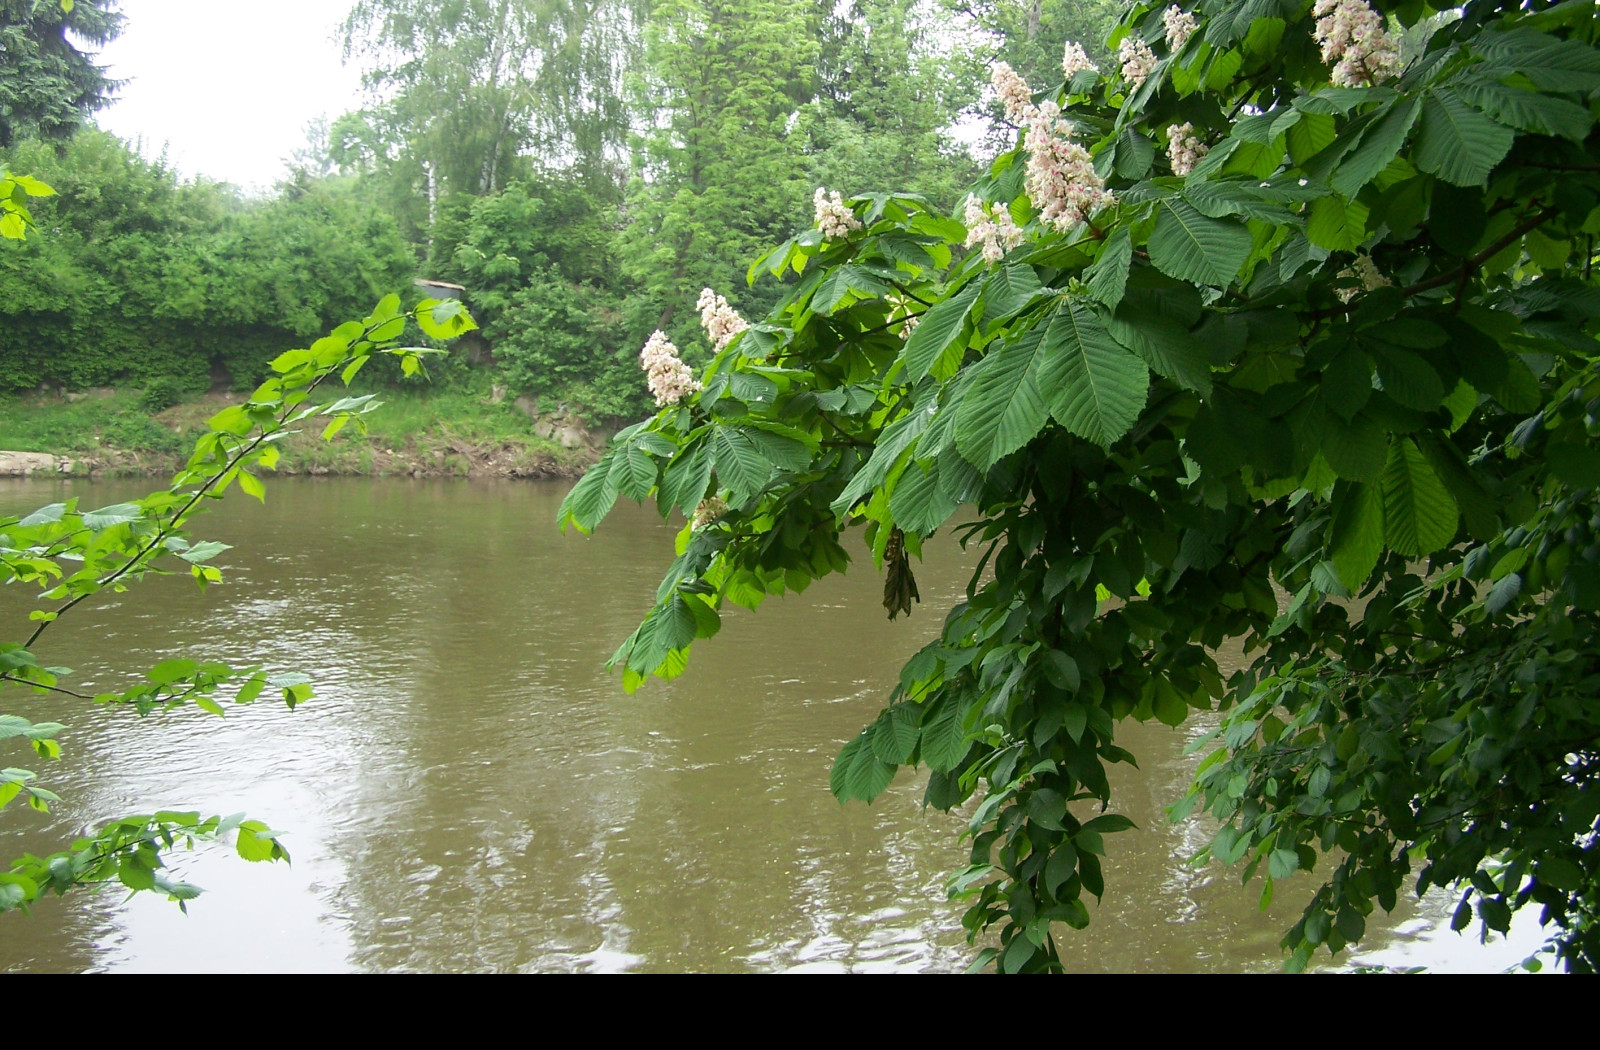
<point>470,790</point>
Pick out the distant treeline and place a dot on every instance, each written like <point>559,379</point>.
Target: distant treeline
<point>582,177</point>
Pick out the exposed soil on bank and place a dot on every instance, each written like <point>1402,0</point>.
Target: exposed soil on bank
<point>552,446</point>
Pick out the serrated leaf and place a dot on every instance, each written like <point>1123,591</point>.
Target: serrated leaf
<point>1553,64</point>
<point>203,551</point>
<point>858,774</point>
<point>1528,110</point>
<point>740,465</point>
<point>116,514</point>
<point>1005,404</point>
<point>936,335</point>
<point>1006,291</point>
<point>1420,516</point>
<point>632,473</point>
<point>1478,510</point>
<point>1355,450</point>
<point>590,499</point>
<point>1355,541</point>
<point>1107,276</point>
<point>1165,345</point>
<point>1336,224</point>
<point>1103,387</point>
<point>944,741</point>
<point>1459,144</point>
<point>1380,144</point>
<point>918,503</point>
<point>1194,247</point>
<point>1409,380</point>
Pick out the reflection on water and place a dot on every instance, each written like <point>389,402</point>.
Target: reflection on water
<point>471,791</point>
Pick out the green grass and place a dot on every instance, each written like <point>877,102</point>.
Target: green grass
<point>49,425</point>
<point>439,429</point>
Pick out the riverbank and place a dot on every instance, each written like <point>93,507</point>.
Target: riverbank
<point>420,433</point>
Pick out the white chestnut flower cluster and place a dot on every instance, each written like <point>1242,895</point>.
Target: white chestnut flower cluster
<point>720,320</point>
<point>1180,27</point>
<point>1075,60</point>
<point>1355,43</point>
<point>834,217</point>
<point>1184,148</point>
<point>1061,180</point>
<point>708,511</point>
<point>1138,61</point>
<point>1014,92</point>
<point>991,226</point>
<point>670,380</point>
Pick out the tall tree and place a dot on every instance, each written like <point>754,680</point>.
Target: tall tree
<point>721,168</point>
<point>48,84</point>
<point>467,86</point>
<point>890,89</point>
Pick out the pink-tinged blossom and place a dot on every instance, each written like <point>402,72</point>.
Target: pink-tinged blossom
<point>1061,180</point>
<point>991,226</point>
<point>720,320</point>
<point>709,510</point>
<point>834,217</point>
<point>1180,27</point>
<point>1355,43</point>
<point>1075,60</point>
<point>1013,91</point>
<point>669,378</point>
<point>1137,60</point>
<point>1184,148</point>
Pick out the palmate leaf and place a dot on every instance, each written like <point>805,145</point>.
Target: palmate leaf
<point>858,774</point>
<point>1194,247</point>
<point>1551,63</point>
<point>1459,144</point>
<point>590,499</point>
<point>632,474</point>
<point>1420,515</point>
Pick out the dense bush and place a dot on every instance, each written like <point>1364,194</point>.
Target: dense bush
<point>538,265</point>
<point>140,276</point>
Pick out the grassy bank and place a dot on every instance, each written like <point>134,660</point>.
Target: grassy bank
<point>420,431</point>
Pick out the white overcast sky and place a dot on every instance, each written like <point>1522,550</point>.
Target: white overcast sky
<point>227,86</point>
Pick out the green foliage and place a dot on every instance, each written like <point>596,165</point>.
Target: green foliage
<point>1348,359</point>
<point>15,218</point>
<point>141,277</point>
<point>160,394</point>
<point>721,170</point>
<point>886,101</point>
<point>538,264</point>
<point>48,87</point>
<point>70,556</point>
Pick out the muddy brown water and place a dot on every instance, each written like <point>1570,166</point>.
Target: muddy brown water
<point>470,790</point>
